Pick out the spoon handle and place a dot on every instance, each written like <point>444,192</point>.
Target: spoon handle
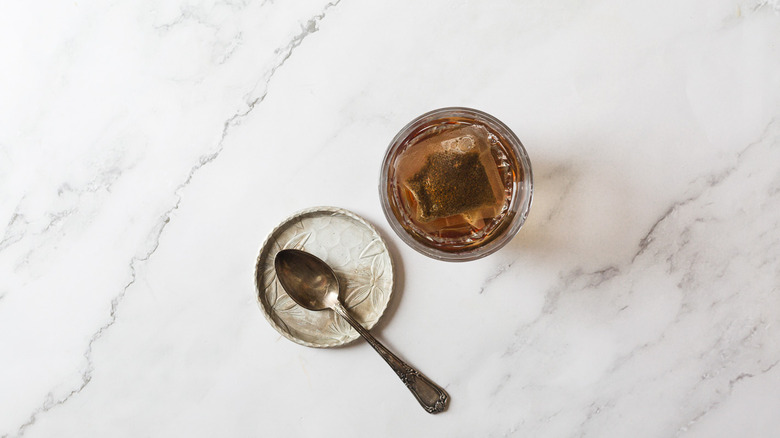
<point>430,395</point>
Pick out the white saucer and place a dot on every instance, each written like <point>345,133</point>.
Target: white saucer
<point>353,248</point>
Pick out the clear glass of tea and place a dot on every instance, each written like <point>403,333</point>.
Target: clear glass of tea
<point>456,184</point>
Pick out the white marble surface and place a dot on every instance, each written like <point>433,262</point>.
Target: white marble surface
<point>147,148</point>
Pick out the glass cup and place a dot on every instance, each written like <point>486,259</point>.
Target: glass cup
<point>456,184</point>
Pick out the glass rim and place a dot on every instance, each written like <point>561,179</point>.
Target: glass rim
<point>518,208</point>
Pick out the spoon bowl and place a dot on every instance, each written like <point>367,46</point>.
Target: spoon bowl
<point>309,281</point>
<point>313,285</point>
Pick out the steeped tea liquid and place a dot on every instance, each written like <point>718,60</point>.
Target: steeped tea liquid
<point>453,184</point>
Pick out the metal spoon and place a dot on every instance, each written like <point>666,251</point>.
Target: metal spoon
<point>312,284</point>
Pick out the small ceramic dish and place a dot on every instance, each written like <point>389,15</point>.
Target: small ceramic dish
<point>355,251</point>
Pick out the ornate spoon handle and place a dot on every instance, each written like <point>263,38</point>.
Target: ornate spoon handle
<point>430,395</point>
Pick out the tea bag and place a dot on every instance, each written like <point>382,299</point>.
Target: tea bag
<point>452,174</point>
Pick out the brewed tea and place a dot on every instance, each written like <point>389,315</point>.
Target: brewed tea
<point>454,183</point>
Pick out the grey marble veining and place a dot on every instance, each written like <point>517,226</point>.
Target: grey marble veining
<point>146,150</point>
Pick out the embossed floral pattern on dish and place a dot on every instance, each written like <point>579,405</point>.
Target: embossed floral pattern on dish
<point>357,254</point>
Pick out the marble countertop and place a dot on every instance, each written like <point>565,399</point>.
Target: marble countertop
<point>147,148</point>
